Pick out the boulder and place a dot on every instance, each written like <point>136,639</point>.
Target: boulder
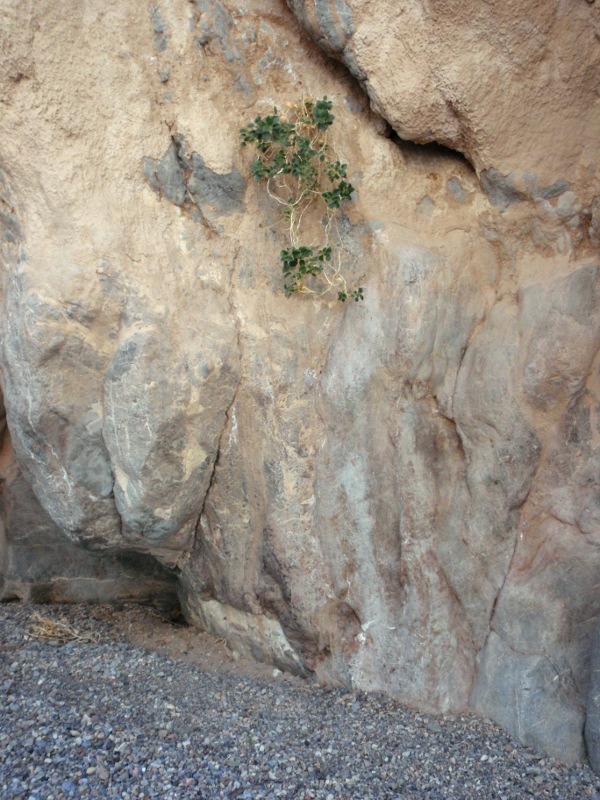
<point>397,495</point>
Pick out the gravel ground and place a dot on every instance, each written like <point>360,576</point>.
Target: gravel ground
<point>108,719</point>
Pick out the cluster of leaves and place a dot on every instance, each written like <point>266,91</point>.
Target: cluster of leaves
<point>293,159</point>
<point>298,263</point>
<point>355,294</point>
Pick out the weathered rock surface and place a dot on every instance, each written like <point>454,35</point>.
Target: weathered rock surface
<point>592,719</point>
<point>507,89</point>
<point>39,563</point>
<point>400,495</point>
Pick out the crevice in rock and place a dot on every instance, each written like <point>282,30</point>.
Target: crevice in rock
<point>562,521</point>
<point>518,650</point>
<point>498,593</point>
<point>167,609</point>
<point>186,554</point>
<point>414,151</point>
<point>339,54</point>
<point>219,446</point>
<point>275,599</point>
<point>229,408</point>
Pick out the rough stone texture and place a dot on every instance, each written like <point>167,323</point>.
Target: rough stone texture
<point>38,563</point>
<point>402,494</point>
<point>507,89</point>
<point>592,719</point>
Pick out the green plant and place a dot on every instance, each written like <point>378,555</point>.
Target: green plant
<point>293,159</point>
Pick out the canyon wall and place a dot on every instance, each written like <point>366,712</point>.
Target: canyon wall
<point>398,495</point>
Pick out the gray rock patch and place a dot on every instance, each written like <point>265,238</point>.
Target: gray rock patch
<point>166,175</point>
<point>592,719</point>
<point>426,206</point>
<point>215,22</point>
<point>223,193</point>
<point>188,181</point>
<point>10,230</point>
<point>529,695</point>
<point>504,190</point>
<point>334,25</point>
<point>555,189</point>
<point>500,188</point>
<point>160,29</point>
<point>457,190</point>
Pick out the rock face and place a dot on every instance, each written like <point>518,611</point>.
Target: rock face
<point>39,563</point>
<point>400,495</point>
<point>505,88</point>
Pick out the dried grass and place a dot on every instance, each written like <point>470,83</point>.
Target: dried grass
<point>59,630</point>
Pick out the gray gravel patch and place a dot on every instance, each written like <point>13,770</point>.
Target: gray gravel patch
<point>109,720</point>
